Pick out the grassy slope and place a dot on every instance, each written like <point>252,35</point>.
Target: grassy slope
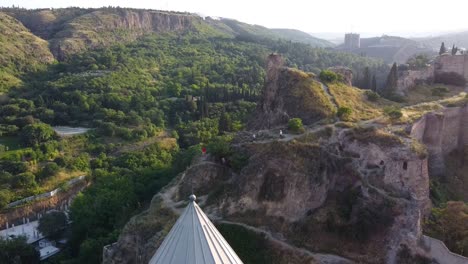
<point>20,51</point>
<point>356,100</point>
<point>424,93</point>
<point>305,97</point>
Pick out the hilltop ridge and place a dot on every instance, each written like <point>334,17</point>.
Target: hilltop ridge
<point>73,30</point>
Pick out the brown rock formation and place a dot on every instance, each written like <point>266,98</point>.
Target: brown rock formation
<point>318,197</point>
<point>73,30</point>
<point>289,93</point>
<point>345,72</point>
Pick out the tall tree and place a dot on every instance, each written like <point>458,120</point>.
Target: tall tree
<point>225,122</point>
<point>392,81</point>
<point>52,224</point>
<point>17,250</point>
<point>374,84</point>
<point>443,49</point>
<point>366,81</point>
<point>454,50</point>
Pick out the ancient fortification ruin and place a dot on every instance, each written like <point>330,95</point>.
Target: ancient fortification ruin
<point>352,41</point>
<point>444,64</point>
<point>448,63</point>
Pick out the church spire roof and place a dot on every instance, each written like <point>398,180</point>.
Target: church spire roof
<point>194,240</point>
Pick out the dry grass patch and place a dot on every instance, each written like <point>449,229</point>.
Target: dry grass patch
<point>430,93</point>
<point>356,100</point>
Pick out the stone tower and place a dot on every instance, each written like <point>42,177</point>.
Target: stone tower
<point>352,41</point>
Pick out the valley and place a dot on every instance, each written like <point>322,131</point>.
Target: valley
<point>298,151</point>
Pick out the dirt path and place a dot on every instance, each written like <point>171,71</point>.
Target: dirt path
<point>326,89</point>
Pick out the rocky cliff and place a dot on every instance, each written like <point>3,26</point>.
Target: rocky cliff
<point>289,93</point>
<point>354,192</point>
<point>72,30</point>
<point>106,27</point>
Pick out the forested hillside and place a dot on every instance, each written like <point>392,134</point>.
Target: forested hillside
<point>152,86</point>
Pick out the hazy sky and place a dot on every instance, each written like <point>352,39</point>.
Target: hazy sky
<point>377,16</point>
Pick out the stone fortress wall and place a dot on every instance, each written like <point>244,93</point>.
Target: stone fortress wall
<point>446,63</point>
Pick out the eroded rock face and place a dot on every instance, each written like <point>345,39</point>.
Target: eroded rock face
<point>129,25</point>
<point>356,198</point>
<point>142,235</point>
<point>289,93</point>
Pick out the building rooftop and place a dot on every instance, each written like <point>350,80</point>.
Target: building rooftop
<point>195,240</point>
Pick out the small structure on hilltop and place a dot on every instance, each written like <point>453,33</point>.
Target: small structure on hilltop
<point>352,41</point>
<point>194,239</point>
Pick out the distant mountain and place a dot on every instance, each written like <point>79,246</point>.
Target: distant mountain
<point>300,36</point>
<point>460,39</point>
<point>390,48</point>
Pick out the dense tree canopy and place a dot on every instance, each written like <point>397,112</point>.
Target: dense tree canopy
<point>17,251</point>
<point>52,223</point>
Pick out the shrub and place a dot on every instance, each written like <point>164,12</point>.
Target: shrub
<point>17,250</point>
<point>295,125</point>
<point>344,113</point>
<point>395,97</point>
<point>49,170</point>
<point>24,180</point>
<point>35,134</point>
<point>393,113</point>
<point>5,197</point>
<point>372,96</point>
<point>52,223</point>
<point>220,146</point>
<point>419,148</point>
<point>439,91</point>
<point>328,76</point>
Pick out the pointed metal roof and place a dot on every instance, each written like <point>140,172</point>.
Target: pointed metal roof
<point>194,240</point>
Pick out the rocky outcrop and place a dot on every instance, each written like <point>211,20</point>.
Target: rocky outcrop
<point>289,93</point>
<point>314,194</point>
<point>73,30</point>
<point>107,26</point>
<point>345,72</point>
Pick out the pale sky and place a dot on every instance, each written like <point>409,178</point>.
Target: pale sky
<point>408,17</point>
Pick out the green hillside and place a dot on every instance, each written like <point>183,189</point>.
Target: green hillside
<point>152,86</point>
<point>20,51</point>
<point>74,30</point>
